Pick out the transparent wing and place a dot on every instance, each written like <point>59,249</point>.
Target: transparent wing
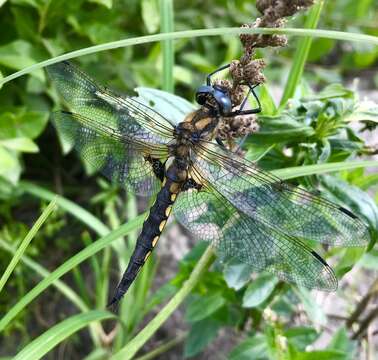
<point>114,134</point>
<point>210,216</point>
<point>107,151</point>
<point>268,200</point>
<point>134,120</point>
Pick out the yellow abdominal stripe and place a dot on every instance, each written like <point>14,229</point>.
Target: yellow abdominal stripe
<point>162,224</point>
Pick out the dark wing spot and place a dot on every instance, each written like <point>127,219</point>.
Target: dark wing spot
<point>349,213</point>
<point>319,258</point>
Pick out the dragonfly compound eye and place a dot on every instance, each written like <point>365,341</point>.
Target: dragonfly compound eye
<point>203,93</point>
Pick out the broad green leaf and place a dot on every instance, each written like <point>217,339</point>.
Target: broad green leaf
<point>106,3</point>
<point>20,144</point>
<point>330,91</point>
<point>280,129</point>
<point>350,257</point>
<point>204,306</point>
<point>313,310</point>
<point>150,15</point>
<point>259,291</point>
<point>22,123</point>
<point>255,348</point>
<point>267,102</point>
<point>354,198</point>
<point>301,337</point>
<point>172,107</point>
<point>237,275</point>
<point>369,260</point>
<point>19,55</point>
<point>200,335</point>
<point>10,167</point>
<point>58,333</point>
<point>341,342</point>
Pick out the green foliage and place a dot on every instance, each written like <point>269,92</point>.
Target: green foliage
<point>315,132</point>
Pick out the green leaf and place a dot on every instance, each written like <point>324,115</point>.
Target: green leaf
<point>106,3</point>
<point>329,92</point>
<point>20,144</point>
<point>22,123</point>
<point>280,129</point>
<point>313,310</point>
<point>354,198</point>
<point>259,291</point>
<point>369,260</point>
<point>201,334</point>
<point>150,15</point>
<point>341,342</point>
<point>301,337</point>
<point>19,55</point>
<point>58,333</point>
<point>10,167</point>
<point>255,348</point>
<point>350,257</point>
<point>204,306</point>
<point>172,107</point>
<point>237,275</point>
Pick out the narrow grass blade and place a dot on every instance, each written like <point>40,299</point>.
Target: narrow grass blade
<point>81,214</point>
<point>300,55</point>
<point>69,265</point>
<point>329,34</point>
<point>58,333</point>
<point>128,351</point>
<point>25,243</point>
<point>167,26</point>
<point>298,171</point>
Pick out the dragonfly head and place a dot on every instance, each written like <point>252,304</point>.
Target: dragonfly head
<point>214,97</point>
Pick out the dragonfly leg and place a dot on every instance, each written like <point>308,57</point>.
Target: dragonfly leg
<point>208,77</point>
<point>157,166</point>
<point>240,111</point>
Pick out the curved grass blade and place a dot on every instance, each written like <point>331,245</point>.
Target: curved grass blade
<point>69,265</point>
<point>307,170</point>
<point>300,55</point>
<point>329,34</point>
<point>26,241</point>
<point>58,333</point>
<point>81,214</point>
<point>128,351</point>
<point>167,26</point>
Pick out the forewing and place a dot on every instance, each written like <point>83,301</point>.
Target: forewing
<point>210,216</point>
<point>267,199</point>
<point>134,120</point>
<point>106,150</point>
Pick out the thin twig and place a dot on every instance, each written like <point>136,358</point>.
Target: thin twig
<point>361,306</point>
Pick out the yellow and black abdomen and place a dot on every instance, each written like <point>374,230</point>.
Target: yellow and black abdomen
<point>151,231</point>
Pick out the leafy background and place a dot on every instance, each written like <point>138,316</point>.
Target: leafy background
<point>328,122</point>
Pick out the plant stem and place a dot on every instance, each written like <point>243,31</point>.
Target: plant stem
<point>166,26</point>
<point>361,306</point>
<point>139,340</point>
<point>164,347</point>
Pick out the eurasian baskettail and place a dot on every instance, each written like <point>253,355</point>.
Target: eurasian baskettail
<point>248,214</point>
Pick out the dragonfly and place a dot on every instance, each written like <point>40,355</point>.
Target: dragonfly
<point>247,214</point>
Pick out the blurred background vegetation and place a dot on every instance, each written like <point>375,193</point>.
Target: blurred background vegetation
<point>332,118</point>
